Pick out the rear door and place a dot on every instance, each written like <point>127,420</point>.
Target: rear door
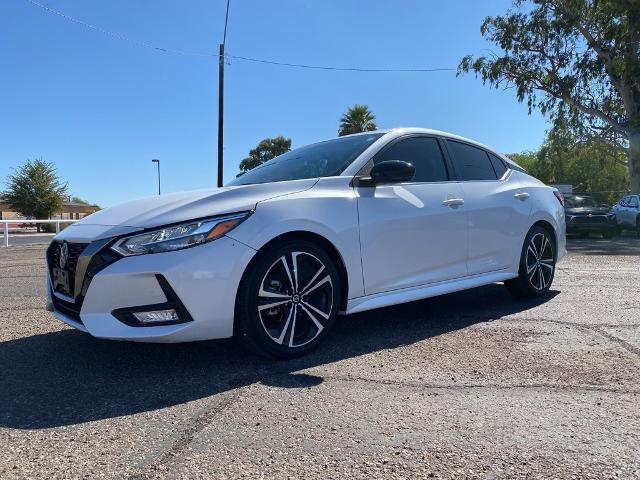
<point>498,208</point>
<point>632,211</point>
<point>622,211</point>
<point>413,233</point>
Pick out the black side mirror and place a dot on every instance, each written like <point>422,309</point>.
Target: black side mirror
<point>389,171</point>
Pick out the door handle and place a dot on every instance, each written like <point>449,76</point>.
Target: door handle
<point>522,196</point>
<point>453,202</point>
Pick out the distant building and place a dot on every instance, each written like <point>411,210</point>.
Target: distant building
<point>564,189</point>
<point>70,211</point>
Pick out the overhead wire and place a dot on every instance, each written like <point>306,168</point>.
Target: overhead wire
<point>149,45</point>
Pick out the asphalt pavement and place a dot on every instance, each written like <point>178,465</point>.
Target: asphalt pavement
<point>469,385</point>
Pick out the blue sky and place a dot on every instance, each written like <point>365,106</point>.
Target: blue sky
<point>100,108</point>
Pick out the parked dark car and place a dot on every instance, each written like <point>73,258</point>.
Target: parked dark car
<point>584,215</point>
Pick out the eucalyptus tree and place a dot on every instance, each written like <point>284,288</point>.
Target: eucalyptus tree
<point>578,61</point>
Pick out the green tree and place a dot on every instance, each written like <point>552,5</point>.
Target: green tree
<point>590,166</point>
<point>82,201</point>
<point>35,190</point>
<point>357,119</point>
<point>578,61</point>
<point>265,150</point>
<point>526,160</point>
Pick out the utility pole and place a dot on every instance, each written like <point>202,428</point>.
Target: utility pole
<point>221,100</point>
<point>155,160</point>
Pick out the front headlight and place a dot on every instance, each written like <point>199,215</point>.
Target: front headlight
<point>177,237</point>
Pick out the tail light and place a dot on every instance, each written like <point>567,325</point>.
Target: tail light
<point>559,196</point>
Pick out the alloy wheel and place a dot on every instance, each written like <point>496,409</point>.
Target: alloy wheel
<point>295,299</point>
<point>540,261</point>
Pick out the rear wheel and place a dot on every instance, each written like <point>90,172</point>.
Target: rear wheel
<point>288,300</point>
<point>537,265</point>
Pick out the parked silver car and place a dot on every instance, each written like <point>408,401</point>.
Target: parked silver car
<point>627,212</point>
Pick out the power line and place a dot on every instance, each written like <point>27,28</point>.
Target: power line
<point>145,44</point>
<point>342,69</point>
<point>113,34</point>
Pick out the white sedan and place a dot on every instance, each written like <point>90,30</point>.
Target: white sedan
<point>341,226</point>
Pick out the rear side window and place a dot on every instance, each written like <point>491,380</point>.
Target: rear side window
<point>423,153</point>
<point>471,163</point>
<point>633,201</point>
<point>498,165</point>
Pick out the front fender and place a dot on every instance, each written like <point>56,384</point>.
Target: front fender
<point>329,210</point>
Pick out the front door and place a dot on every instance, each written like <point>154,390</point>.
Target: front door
<point>412,233</point>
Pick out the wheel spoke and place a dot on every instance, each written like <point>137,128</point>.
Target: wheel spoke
<point>541,245</point>
<point>294,257</point>
<point>544,279</point>
<point>292,312</point>
<point>533,248</point>
<point>293,325</point>
<point>271,305</point>
<point>321,282</point>
<point>286,269</point>
<point>544,246</point>
<point>303,291</point>
<point>547,265</point>
<point>319,312</point>
<point>540,279</point>
<point>313,318</point>
<point>264,294</point>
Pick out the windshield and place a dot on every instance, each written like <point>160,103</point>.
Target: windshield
<point>576,201</point>
<point>324,159</point>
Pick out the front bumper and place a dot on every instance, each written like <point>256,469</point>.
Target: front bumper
<point>585,224</point>
<point>205,279</point>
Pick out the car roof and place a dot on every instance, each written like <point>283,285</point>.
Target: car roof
<point>427,131</point>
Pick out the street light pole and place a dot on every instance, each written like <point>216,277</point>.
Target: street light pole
<point>155,160</point>
<point>221,100</point>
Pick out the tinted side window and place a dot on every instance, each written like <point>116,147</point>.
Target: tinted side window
<point>498,165</point>
<point>624,201</point>
<point>633,202</point>
<point>423,153</point>
<point>471,163</point>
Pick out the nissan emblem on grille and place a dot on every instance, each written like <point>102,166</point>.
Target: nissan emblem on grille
<point>64,255</point>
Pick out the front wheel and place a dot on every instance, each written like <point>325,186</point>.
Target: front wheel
<point>288,300</point>
<point>537,265</point>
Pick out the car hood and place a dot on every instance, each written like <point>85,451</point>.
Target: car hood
<point>180,207</point>
<point>587,211</point>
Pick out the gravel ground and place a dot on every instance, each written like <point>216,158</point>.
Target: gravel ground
<point>468,385</point>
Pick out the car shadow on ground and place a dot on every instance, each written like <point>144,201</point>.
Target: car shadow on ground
<point>68,377</point>
<point>628,243</point>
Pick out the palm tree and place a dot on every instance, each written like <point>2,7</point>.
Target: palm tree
<point>357,119</point>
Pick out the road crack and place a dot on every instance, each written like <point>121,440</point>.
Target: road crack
<point>468,386</point>
<point>184,437</point>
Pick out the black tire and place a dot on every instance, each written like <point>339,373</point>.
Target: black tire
<point>307,298</point>
<point>638,225</point>
<point>536,269</point>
